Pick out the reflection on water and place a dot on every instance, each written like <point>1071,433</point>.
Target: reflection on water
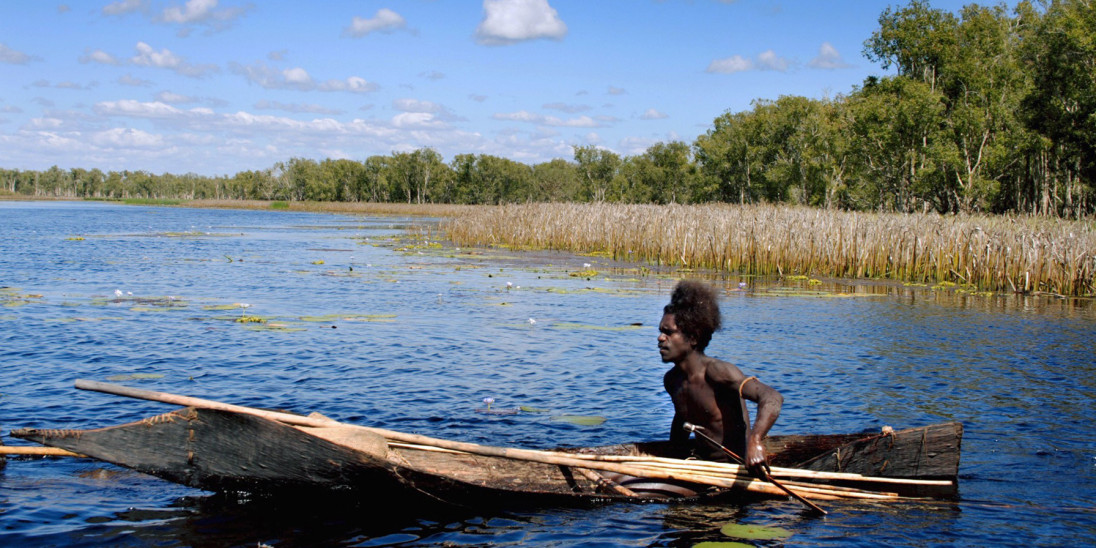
<point>367,325</point>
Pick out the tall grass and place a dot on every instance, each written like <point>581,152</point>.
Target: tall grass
<point>1019,254</point>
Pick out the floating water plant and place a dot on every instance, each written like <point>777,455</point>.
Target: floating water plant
<point>747,531</point>
<point>583,274</point>
<point>250,319</point>
<point>722,544</point>
<point>581,420</point>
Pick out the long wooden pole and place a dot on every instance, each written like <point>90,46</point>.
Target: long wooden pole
<point>37,451</point>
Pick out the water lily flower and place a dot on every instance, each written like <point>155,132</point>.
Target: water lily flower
<point>117,292</point>
<point>532,321</point>
<point>488,402</point>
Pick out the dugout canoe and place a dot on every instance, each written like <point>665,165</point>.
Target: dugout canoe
<point>241,452</point>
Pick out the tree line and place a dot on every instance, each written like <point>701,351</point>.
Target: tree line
<point>989,110</point>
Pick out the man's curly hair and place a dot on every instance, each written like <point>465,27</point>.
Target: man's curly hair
<point>696,311</point>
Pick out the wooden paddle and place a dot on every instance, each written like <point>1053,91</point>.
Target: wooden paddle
<point>765,475</point>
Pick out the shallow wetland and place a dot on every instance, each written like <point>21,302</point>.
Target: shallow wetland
<point>361,318</point>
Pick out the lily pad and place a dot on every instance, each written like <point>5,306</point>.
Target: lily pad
<point>750,531</point>
<point>527,409</point>
<point>725,544</point>
<point>580,420</point>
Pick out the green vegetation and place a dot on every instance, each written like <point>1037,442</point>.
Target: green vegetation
<point>990,111</point>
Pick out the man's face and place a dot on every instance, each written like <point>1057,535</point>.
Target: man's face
<point>673,345</point>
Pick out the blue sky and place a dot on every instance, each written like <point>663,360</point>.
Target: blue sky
<point>220,86</point>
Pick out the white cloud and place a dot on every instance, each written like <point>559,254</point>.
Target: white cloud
<point>149,57</point>
<point>8,55</point>
<point>511,21</point>
<point>417,120</point>
<point>617,91</point>
<point>730,65</point>
<point>193,12</point>
<point>99,56</point>
<point>415,105</point>
<point>653,114</point>
<point>385,20</point>
<point>828,58</point>
<point>135,109</point>
<point>298,78</point>
<point>201,12</point>
<point>769,60</point>
<point>353,84</point>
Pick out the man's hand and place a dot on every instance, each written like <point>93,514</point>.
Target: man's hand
<point>755,454</point>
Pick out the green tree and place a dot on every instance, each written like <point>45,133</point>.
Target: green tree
<point>1061,106</point>
<point>598,168</point>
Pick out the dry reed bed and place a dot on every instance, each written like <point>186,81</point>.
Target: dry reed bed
<point>1020,254</point>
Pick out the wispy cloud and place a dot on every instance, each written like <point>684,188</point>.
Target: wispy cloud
<point>99,56</point>
<point>147,56</point>
<point>552,121</point>
<point>766,60</point>
<point>122,7</point>
<point>298,78</point>
<point>385,20</point>
<point>828,58</point>
<point>14,57</point>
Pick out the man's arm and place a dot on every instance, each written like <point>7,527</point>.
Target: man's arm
<point>769,402</point>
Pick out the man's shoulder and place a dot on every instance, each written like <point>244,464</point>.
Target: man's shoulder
<point>723,371</point>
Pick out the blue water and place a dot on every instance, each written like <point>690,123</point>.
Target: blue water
<point>368,324</point>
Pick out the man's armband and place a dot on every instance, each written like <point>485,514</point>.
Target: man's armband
<point>743,385</point>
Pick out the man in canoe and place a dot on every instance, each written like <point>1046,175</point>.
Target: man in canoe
<point>708,392</point>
